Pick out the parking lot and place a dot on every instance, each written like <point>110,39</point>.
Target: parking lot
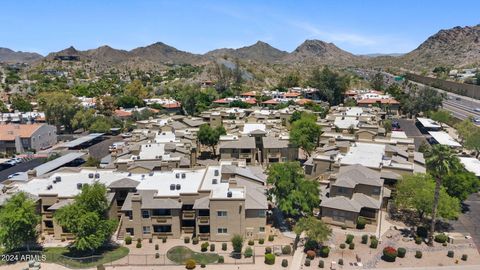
<point>22,167</point>
<point>409,127</point>
<point>469,221</point>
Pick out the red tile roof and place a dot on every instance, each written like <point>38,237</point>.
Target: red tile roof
<point>249,94</point>
<point>303,101</point>
<point>271,101</point>
<point>291,94</point>
<point>122,113</point>
<point>382,101</point>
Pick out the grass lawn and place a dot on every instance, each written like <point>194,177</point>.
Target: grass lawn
<point>54,255</point>
<point>180,254</point>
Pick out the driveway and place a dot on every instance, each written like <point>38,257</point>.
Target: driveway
<point>100,150</point>
<point>408,125</point>
<point>469,221</point>
<point>22,167</point>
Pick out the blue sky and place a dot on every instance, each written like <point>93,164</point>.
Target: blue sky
<point>362,26</point>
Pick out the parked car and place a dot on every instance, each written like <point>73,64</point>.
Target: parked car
<point>17,159</point>
<point>11,162</point>
<point>476,109</point>
<point>13,175</point>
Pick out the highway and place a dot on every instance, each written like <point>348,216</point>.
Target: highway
<point>461,107</point>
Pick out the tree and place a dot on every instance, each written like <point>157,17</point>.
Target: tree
<point>292,79</point>
<point>87,218</point>
<point>442,116</point>
<point>472,141</point>
<point>239,104</point>
<point>83,119</point>
<point>136,89</point>
<point>387,124</point>
<point>106,105</point>
<point>101,124</point>
<point>417,192</point>
<point>20,103</point>
<point>461,184</point>
<point>377,82</point>
<point>440,162</point>
<point>92,162</point>
<point>3,107</point>
<point>18,222</point>
<point>237,243</point>
<point>465,129</point>
<point>305,133</point>
<point>292,193</point>
<point>314,229</point>
<point>331,84</point>
<point>209,136</point>
<point>59,108</point>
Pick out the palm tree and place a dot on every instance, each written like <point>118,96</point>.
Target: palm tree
<point>440,162</point>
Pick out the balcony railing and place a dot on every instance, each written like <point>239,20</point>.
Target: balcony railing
<point>188,229</point>
<point>204,236</point>
<point>48,215</point>
<point>188,214</point>
<point>162,219</point>
<point>204,220</point>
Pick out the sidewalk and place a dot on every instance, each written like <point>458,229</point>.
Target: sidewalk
<point>297,259</point>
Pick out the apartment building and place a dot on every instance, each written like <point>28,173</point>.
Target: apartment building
<point>18,138</point>
<point>214,203</point>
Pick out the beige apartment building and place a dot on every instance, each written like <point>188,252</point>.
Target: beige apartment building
<point>213,203</point>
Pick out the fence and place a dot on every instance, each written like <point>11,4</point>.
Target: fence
<point>463,89</point>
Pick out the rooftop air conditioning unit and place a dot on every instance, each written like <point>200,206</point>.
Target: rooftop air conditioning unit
<point>184,175</point>
<point>90,175</point>
<point>214,181</point>
<point>172,186</point>
<point>216,172</point>
<point>229,194</point>
<point>150,173</point>
<point>177,175</point>
<point>178,186</point>
<point>129,174</point>
<point>79,185</point>
<point>97,175</point>
<point>58,179</point>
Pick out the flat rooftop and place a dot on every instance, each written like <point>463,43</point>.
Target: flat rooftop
<point>471,164</point>
<point>444,138</point>
<point>82,140</point>
<point>428,123</point>
<point>366,154</point>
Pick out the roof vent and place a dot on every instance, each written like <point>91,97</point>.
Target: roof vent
<point>97,175</point>
<point>177,175</point>
<point>49,187</point>
<point>216,172</point>
<point>150,173</point>
<point>90,175</point>
<point>58,179</point>
<point>178,186</point>
<point>214,181</point>
<point>172,186</point>
<point>184,175</point>
<point>79,185</point>
<point>229,194</point>
<point>143,176</point>
<point>129,174</point>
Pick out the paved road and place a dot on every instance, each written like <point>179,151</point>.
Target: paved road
<point>22,167</point>
<point>469,221</point>
<point>408,125</point>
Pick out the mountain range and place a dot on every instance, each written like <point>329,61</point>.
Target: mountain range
<point>459,46</point>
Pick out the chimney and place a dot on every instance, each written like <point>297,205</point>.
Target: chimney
<point>411,157</point>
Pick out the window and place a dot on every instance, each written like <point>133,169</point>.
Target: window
<point>48,224</point>
<point>130,231</point>
<point>221,213</point>
<point>261,213</point>
<point>145,213</point>
<point>376,191</point>
<point>162,228</point>
<point>261,229</point>
<point>161,212</point>
<point>245,151</point>
<point>222,230</point>
<point>129,215</point>
<point>341,190</point>
<point>146,229</point>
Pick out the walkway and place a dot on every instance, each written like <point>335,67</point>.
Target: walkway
<point>297,259</point>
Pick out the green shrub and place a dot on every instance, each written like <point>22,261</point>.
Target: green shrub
<point>202,265</point>
<point>418,240</point>
<point>186,240</point>
<point>248,252</point>
<point>156,246</point>
<point>441,238</point>
<point>139,245</point>
<point>195,240</point>
<point>268,250</point>
<point>344,227</point>
<point>374,243</point>
<point>284,263</point>
<point>401,252</point>
<point>307,262</point>
<point>221,259</point>
<point>190,264</point>
<point>324,251</point>
<point>286,250</point>
<point>212,247</point>
<point>128,240</point>
<point>150,240</point>
<point>311,254</point>
<point>251,242</point>
<point>364,239</point>
<point>361,222</point>
<point>261,241</point>
<point>321,264</point>
<point>444,244</point>
<point>450,253</point>
<point>340,261</point>
<point>311,245</point>
<point>342,246</point>
<point>204,246</point>
<point>157,255</point>
<point>269,259</point>
<point>422,232</point>
<point>349,238</point>
<point>351,246</point>
<point>418,254</point>
<point>237,243</point>
<point>464,257</point>
<point>224,246</point>
<point>389,254</point>
<point>164,239</point>
<point>271,238</point>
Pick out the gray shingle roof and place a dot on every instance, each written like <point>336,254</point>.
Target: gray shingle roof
<point>350,176</point>
<point>341,203</point>
<point>274,142</point>
<point>241,143</point>
<point>124,183</point>
<point>202,203</point>
<point>60,204</point>
<point>366,201</point>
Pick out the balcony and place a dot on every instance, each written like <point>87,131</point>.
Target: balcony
<point>188,214</point>
<point>204,236</point>
<point>161,219</point>
<point>48,215</point>
<point>203,220</point>
<point>245,155</point>
<point>188,229</point>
